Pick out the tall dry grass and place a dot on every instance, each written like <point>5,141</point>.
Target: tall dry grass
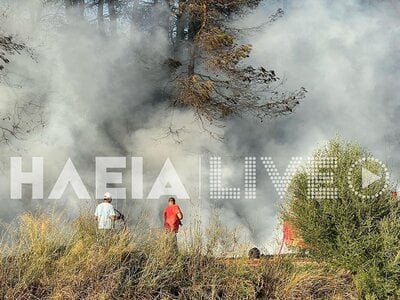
<point>46,258</point>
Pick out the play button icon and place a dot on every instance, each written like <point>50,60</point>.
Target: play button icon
<point>368,178</point>
<point>362,167</point>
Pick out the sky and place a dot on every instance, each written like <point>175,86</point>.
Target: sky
<point>102,98</point>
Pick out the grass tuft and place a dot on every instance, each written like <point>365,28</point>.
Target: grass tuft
<point>48,259</point>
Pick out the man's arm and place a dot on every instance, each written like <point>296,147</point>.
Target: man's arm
<point>112,215</point>
<point>179,214</point>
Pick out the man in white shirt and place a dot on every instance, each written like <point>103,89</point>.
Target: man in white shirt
<point>105,214</point>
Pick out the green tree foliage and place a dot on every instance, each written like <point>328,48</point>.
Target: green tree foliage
<point>360,235</point>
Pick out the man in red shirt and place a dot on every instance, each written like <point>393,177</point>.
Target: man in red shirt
<point>172,220</point>
<point>172,216</point>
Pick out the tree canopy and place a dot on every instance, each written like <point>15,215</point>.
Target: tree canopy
<point>206,63</point>
<point>356,233</point>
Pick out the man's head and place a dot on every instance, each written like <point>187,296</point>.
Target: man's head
<point>107,197</point>
<point>171,200</point>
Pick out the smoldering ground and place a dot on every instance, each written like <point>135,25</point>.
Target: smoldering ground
<point>103,96</point>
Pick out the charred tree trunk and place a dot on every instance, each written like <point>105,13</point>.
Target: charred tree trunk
<point>100,17</point>
<point>81,7</point>
<point>113,16</point>
<point>72,6</point>
<point>192,60</point>
<point>194,27</point>
<point>135,17</point>
<point>68,4</point>
<point>180,32</point>
<point>68,7</point>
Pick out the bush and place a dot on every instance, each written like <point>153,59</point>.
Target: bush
<point>359,234</point>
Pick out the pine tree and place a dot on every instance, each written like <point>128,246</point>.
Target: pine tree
<point>209,64</point>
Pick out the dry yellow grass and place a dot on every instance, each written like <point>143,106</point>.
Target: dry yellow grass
<point>48,259</point>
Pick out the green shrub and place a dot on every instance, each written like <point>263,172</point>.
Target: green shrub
<point>359,234</point>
